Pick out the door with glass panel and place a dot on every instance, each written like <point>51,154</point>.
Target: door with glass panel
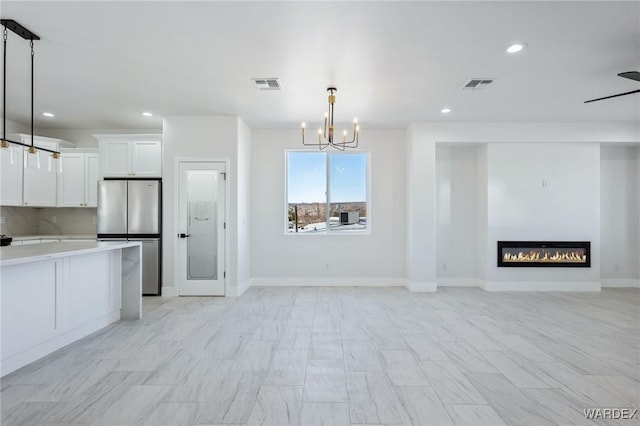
<point>201,229</point>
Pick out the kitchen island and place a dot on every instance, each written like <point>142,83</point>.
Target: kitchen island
<point>53,294</point>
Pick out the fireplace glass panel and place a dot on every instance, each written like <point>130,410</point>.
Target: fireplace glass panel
<point>544,253</point>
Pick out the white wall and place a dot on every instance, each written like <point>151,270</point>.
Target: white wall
<point>482,210</point>
<point>421,218</point>
<point>421,240</point>
<point>456,214</point>
<point>619,206</point>
<point>376,259</point>
<point>522,208</point>
<point>244,207</point>
<point>15,127</point>
<point>204,138</point>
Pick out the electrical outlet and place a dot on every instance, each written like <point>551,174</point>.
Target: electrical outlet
<point>3,219</point>
<point>54,219</point>
<point>616,267</point>
<point>444,266</point>
<point>95,220</point>
<point>327,266</point>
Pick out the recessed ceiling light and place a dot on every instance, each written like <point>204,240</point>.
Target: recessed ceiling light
<point>147,114</point>
<point>48,114</point>
<point>516,47</point>
<point>445,110</point>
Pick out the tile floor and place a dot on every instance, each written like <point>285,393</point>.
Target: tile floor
<point>340,356</point>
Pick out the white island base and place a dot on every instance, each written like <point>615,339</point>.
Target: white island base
<point>53,294</point>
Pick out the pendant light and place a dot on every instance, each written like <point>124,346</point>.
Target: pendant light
<point>32,159</point>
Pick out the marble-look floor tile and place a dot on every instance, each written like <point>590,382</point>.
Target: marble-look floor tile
<point>476,415</point>
<point>219,356</point>
<point>324,414</point>
<point>325,382</point>
<point>425,348</point>
<point>581,387</point>
<point>91,403</point>
<point>326,346</point>
<point>422,406</point>
<point>522,373</point>
<point>277,406</point>
<point>466,358</point>
<point>387,338</point>
<point>134,406</point>
<point>371,399</point>
<point>450,384</point>
<point>255,356</point>
<point>402,369</point>
<point>361,355</point>
<point>508,401</point>
<point>173,413</point>
<point>288,368</point>
<point>200,382</point>
<point>232,400</point>
<point>562,408</point>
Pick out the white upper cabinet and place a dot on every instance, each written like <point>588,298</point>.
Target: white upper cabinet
<point>91,176</point>
<point>11,176</point>
<point>130,156</point>
<point>77,184</point>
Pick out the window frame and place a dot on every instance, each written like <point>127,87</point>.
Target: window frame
<point>328,155</point>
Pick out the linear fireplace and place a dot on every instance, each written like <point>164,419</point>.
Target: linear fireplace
<point>565,254</point>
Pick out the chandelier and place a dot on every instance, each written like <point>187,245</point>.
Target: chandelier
<point>326,137</point>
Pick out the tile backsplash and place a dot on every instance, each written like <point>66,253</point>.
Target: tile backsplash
<point>17,221</point>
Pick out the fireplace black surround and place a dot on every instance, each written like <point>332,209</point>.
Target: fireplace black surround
<point>544,254</point>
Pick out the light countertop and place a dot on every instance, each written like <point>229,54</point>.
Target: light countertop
<point>54,237</point>
<point>15,255</point>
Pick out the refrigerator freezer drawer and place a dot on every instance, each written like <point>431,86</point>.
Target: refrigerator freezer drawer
<point>150,266</point>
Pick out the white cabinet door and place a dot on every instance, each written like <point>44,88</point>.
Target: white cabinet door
<point>39,183</point>
<point>146,158</point>
<point>91,175</point>
<point>115,158</point>
<point>71,181</point>
<point>11,182</point>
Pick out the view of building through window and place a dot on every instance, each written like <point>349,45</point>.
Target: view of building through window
<point>320,181</point>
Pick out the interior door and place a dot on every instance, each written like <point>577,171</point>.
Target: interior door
<point>201,229</point>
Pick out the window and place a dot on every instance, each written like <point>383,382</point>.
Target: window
<point>326,191</point>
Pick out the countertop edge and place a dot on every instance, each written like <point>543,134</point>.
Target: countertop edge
<point>17,255</point>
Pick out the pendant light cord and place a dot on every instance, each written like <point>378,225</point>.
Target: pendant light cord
<point>4,86</point>
<point>32,108</point>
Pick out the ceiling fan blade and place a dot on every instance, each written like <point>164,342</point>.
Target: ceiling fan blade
<point>612,96</point>
<point>633,75</point>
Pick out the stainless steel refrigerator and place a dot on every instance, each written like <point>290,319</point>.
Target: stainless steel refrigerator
<point>132,210</point>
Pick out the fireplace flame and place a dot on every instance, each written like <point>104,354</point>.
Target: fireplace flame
<point>543,256</point>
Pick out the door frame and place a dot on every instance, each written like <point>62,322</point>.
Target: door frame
<point>176,214</point>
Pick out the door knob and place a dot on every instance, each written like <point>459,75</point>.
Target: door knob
<point>183,235</point>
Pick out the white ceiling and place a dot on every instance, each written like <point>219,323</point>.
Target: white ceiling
<point>100,64</point>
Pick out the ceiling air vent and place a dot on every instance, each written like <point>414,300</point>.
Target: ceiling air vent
<point>266,83</point>
<point>477,83</point>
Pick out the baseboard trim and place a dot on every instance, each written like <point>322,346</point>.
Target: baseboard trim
<point>541,286</point>
<point>422,287</point>
<point>169,291</point>
<point>243,286</point>
<point>458,282</point>
<point>620,283</point>
<point>327,282</point>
